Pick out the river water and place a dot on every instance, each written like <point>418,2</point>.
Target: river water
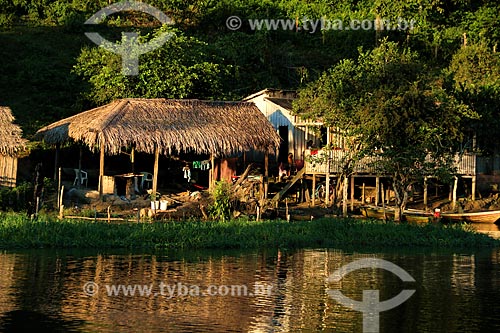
<point>286,291</point>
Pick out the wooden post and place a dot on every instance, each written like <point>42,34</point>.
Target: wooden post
<point>212,172</point>
<point>56,161</point>
<point>59,188</point>
<point>61,206</point>
<point>473,188</point>
<point>388,194</point>
<point>80,168</point>
<point>352,193</point>
<point>454,193</point>
<point>327,187</point>
<point>344,198</point>
<point>132,159</point>
<point>101,168</point>
<point>377,190</point>
<point>155,171</point>
<point>61,196</point>
<point>363,198</point>
<point>266,174</point>
<point>383,201</point>
<point>425,192</point>
<point>132,164</point>
<point>313,201</point>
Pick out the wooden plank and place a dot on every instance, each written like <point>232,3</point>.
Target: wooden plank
<point>281,193</point>
<point>244,176</point>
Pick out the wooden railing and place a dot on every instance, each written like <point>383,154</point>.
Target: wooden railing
<point>317,162</point>
<point>466,165</point>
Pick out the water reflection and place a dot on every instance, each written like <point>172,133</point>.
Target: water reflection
<point>455,292</point>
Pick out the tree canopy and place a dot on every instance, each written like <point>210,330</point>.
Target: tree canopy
<point>393,107</point>
<point>48,58</point>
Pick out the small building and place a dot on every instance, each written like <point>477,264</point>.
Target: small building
<point>11,145</point>
<point>276,105</point>
<point>167,127</point>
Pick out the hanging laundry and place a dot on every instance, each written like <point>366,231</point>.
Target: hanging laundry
<point>196,164</point>
<point>187,173</point>
<point>205,165</point>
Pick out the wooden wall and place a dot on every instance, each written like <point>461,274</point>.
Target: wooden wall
<point>8,170</point>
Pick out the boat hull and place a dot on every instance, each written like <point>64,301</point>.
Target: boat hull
<point>411,218</point>
<point>377,212</point>
<point>476,217</point>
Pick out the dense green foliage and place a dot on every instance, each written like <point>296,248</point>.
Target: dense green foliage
<point>19,232</point>
<point>222,199</point>
<point>393,107</point>
<point>51,70</point>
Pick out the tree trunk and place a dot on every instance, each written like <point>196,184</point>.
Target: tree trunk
<point>402,194</point>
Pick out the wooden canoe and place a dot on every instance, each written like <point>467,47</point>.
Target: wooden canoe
<point>489,216</point>
<point>418,216</point>
<point>377,212</point>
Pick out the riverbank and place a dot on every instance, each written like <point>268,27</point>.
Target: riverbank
<point>17,231</point>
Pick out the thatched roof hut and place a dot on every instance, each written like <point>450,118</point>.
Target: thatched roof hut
<point>11,142</point>
<point>163,126</point>
<point>218,128</point>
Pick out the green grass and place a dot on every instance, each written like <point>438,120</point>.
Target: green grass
<point>17,231</point>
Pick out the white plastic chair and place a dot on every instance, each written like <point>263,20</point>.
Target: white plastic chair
<point>84,178</point>
<point>147,178</point>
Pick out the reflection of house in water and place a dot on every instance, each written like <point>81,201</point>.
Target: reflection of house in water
<point>300,298</point>
<point>463,274</point>
<point>228,313</point>
<point>7,278</point>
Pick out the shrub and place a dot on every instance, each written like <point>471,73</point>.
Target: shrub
<point>222,196</point>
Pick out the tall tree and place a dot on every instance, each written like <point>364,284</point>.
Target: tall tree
<point>181,68</point>
<point>475,70</point>
<point>395,110</point>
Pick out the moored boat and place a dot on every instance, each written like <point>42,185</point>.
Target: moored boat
<point>418,216</point>
<point>377,212</point>
<point>489,216</point>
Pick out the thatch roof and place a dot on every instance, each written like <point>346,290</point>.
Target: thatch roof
<point>219,128</point>
<point>11,142</point>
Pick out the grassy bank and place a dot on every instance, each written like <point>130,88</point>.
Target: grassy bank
<point>16,231</point>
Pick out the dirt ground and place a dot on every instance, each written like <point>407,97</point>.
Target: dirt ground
<point>184,205</point>
<point>180,205</point>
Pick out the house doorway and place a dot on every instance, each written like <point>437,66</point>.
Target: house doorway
<point>283,150</point>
